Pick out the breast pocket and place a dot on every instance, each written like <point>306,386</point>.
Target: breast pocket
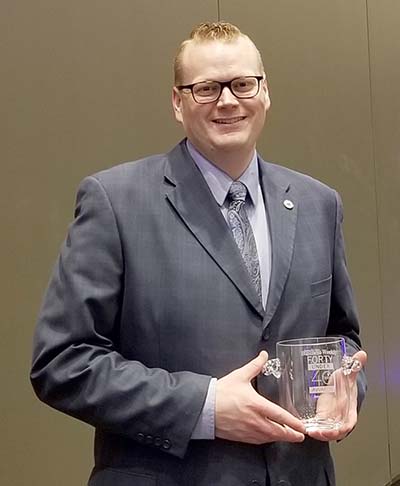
<point>321,287</point>
<point>116,477</point>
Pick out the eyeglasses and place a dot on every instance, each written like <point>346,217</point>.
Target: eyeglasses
<point>210,91</point>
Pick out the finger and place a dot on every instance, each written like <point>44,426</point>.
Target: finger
<point>278,432</point>
<point>254,367</point>
<point>291,435</point>
<point>330,435</point>
<point>324,435</point>
<point>283,417</point>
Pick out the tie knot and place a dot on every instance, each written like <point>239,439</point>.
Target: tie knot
<point>237,191</point>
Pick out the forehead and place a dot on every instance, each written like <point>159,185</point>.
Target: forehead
<point>219,60</point>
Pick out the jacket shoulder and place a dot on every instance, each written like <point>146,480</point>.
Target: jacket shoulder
<point>126,171</point>
<point>302,183</point>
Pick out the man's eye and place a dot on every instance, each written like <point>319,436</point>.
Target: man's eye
<point>206,89</point>
<point>242,85</point>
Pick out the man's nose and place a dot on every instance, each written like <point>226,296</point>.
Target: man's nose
<point>227,97</point>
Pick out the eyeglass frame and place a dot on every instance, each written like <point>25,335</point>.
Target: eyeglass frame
<point>223,84</point>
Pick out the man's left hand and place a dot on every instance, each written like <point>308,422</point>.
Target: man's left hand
<point>350,423</point>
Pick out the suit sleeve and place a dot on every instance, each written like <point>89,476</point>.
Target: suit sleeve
<point>343,319</point>
<point>77,368</point>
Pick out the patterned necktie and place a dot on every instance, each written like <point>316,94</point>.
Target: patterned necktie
<point>242,232</point>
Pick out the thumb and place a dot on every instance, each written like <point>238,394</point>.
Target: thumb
<point>254,367</point>
<point>361,357</point>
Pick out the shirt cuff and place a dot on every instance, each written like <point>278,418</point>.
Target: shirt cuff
<point>205,426</point>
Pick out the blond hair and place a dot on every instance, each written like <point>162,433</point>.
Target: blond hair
<point>210,31</point>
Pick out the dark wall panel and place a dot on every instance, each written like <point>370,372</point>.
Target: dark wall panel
<point>384,21</point>
<point>84,85</point>
<point>317,62</point>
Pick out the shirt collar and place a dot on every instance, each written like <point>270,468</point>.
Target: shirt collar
<point>219,181</point>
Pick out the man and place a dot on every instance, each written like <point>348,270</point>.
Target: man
<point>167,294</point>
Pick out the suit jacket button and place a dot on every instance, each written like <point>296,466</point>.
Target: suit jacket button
<point>158,441</point>
<point>166,444</point>
<point>254,483</point>
<point>140,437</point>
<point>149,439</point>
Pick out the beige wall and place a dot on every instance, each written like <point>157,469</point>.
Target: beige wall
<point>385,104</point>
<point>85,85</point>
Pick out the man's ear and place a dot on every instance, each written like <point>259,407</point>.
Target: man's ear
<point>265,91</point>
<point>177,104</point>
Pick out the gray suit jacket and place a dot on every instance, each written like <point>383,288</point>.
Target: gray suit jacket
<point>150,298</point>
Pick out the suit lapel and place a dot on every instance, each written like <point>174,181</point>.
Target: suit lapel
<point>282,217</point>
<point>192,199</point>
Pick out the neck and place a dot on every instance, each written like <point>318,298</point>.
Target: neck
<point>233,163</point>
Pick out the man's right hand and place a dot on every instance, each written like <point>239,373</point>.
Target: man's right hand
<point>242,415</point>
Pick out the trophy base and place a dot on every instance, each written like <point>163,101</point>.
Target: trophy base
<point>315,424</point>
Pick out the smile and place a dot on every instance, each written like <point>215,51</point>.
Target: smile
<point>229,121</point>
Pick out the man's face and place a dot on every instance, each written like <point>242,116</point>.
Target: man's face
<point>228,126</point>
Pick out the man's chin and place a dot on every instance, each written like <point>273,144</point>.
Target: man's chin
<point>231,142</point>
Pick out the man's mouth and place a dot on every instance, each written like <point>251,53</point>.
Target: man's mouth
<point>229,121</point>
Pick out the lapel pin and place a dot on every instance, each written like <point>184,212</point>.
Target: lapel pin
<point>288,204</point>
